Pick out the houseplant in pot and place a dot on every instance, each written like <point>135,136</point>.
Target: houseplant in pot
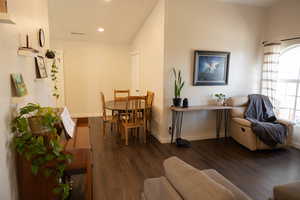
<point>178,86</point>
<point>36,141</point>
<point>220,99</point>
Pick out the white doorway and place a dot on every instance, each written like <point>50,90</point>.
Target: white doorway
<point>135,74</point>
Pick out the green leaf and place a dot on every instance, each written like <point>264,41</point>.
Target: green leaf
<point>34,169</point>
<point>47,172</point>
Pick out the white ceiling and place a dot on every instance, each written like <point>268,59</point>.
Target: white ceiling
<point>121,19</point>
<point>262,3</point>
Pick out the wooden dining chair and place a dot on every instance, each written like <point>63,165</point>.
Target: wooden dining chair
<point>107,119</point>
<point>149,103</point>
<point>121,95</point>
<point>134,118</point>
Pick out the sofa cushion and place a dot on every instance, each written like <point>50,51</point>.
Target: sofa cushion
<point>193,184</point>
<point>237,193</point>
<point>159,189</point>
<point>238,112</point>
<point>242,122</point>
<point>287,192</point>
<point>238,101</point>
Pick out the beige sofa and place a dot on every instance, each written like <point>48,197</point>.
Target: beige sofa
<point>240,128</point>
<point>184,182</point>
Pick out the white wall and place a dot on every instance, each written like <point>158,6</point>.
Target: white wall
<point>283,22</point>
<point>209,25</point>
<point>30,15</point>
<point>149,43</point>
<point>89,68</point>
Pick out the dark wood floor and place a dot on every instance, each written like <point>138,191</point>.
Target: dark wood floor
<point>119,171</point>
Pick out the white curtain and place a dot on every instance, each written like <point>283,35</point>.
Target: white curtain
<point>270,71</point>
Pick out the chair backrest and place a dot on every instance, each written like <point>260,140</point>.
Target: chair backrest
<point>103,105</point>
<point>149,98</point>
<point>240,104</point>
<point>138,97</point>
<point>121,95</point>
<point>135,111</point>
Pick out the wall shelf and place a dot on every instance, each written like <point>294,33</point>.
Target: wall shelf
<point>18,100</point>
<point>6,19</point>
<point>29,52</point>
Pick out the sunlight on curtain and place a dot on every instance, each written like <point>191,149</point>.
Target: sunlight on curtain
<point>270,72</point>
<point>288,85</point>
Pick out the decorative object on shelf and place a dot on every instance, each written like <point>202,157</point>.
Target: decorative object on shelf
<point>220,99</point>
<point>54,70</point>
<point>24,51</point>
<point>40,65</point>
<point>27,50</point>
<point>19,87</point>
<point>178,86</point>
<point>41,37</point>
<point>211,68</point>
<point>185,103</point>
<point>4,16</point>
<point>36,139</point>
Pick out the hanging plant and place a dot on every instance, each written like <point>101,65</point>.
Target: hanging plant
<point>41,148</point>
<point>53,73</point>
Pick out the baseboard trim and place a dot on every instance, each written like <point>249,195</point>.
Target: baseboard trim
<point>82,115</point>
<point>296,145</point>
<point>166,140</point>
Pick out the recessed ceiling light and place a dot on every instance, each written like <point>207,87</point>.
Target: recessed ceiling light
<point>100,29</point>
<point>107,0</point>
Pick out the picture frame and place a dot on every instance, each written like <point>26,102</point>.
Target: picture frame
<point>19,86</point>
<point>41,71</point>
<point>211,68</point>
<point>41,36</point>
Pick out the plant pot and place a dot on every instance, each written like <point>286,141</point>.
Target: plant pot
<point>220,102</point>
<point>36,126</point>
<point>177,102</point>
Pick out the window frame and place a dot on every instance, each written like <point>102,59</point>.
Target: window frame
<point>296,81</point>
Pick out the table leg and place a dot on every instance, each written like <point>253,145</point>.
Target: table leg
<point>226,114</point>
<point>179,124</point>
<point>173,125</point>
<point>218,122</point>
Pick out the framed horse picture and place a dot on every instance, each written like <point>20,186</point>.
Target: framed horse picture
<point>211,68</point>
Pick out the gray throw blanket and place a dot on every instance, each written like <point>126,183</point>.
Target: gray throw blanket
<point>263,121</point>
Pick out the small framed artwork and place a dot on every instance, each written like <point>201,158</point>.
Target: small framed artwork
<point>41,71</point>
<point>41,37</point>
<point>18,85</point>
<point>211,68</point>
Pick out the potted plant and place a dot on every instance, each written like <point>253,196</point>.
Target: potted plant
<point>36,140</point>
<point>220,99</point>
<point>178,87</point>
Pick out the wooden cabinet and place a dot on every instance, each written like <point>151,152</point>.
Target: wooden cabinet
<point>40,188</point>
<point>3,6</point>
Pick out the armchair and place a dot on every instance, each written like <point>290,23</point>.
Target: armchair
<point>240,128</point>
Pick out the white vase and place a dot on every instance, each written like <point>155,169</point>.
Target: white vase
<point>220,102</point>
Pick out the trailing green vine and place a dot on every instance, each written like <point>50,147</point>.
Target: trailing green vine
<point>42,150</point>
<point>54,71</point>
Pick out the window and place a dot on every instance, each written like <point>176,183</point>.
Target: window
<point>288,85</point>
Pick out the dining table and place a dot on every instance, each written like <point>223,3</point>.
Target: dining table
<point>121,106</point>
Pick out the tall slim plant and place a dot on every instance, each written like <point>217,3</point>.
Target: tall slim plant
<point>178,83</point>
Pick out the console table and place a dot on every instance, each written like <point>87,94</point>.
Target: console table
<point>177,117</point>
